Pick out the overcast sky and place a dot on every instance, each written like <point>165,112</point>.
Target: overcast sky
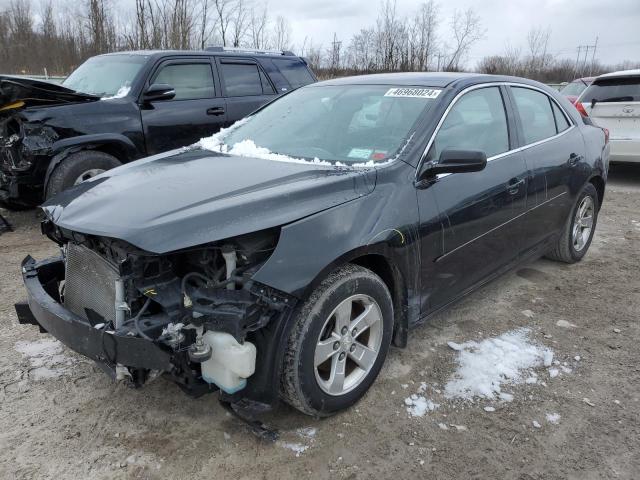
<point>616,23</point>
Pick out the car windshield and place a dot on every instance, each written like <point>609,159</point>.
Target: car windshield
<point>625,89</point>
<point>106,76</point>
<point>574,88</point>
<point>353,124</point>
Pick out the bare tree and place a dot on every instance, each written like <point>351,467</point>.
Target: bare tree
<point>240,24</point>
<point>282,34</point>
<point>224,10</point>
<point>258,25</point>
<point>423,35</point>
<point>467,29</point>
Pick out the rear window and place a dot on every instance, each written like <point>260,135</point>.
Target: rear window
<point>241,80</point>
<point>613,90</point>
<point>574,89</point>
<point>294,71</point>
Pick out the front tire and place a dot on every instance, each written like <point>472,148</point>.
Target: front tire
<point>77,168</point>
<point>338,343</point>
<point>578,232</point>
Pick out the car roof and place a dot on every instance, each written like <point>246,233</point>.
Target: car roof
<point>200,53</point>
<point>426,79</point>
<point>621,73</point>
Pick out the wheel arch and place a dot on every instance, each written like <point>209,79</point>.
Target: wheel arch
<point>118,146</point>
<point>387,269</point>
<point>598,182</point>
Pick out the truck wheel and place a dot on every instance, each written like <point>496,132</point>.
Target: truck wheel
<point>77,168</point>
<point>579,229</point>
<point>338,342</point>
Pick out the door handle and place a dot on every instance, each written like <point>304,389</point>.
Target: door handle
<point>215,111</point>
<point>574,159</point>
<point>514,185</point>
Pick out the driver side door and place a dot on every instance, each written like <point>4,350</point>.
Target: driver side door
<point>479,211</point>
<point>197,110</point>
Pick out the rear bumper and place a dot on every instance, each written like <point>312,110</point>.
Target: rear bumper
<point>44,310</point>
<point>625,151</point>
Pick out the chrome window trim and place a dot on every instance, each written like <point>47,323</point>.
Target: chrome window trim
<point>508,152</point>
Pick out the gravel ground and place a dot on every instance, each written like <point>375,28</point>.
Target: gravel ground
<point>62,418</point>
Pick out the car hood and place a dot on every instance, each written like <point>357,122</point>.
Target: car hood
<point>16,92</point>
<point>175,201</point>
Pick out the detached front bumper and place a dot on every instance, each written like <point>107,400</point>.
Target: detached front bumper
<point>43,308</point>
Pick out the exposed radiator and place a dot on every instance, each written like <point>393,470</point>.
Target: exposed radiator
<point>90,283</point>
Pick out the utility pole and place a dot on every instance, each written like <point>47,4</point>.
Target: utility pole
<point>593,57</point>
<point>581,65</point>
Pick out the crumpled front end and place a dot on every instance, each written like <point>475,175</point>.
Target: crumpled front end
<point>25,149</point>
<point>194,316</point>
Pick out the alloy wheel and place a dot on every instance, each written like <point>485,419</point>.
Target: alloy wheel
<point>348,345</point>
<point>583,223</point>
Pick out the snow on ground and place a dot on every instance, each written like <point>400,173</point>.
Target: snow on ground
<point>306,434</point>
<point>418,406</point>
<point>485,366</point>
<point>46,358</point>
<point>553,418</point>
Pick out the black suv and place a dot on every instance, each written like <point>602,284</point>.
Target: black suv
<point>123,106</point>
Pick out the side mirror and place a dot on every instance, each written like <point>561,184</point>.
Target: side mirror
<point>158,91</point>
<point>456,161</point>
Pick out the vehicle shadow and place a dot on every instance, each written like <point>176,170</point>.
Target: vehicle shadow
<point>626,175</point>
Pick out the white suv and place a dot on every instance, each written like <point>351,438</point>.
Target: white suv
<point>612,101</point>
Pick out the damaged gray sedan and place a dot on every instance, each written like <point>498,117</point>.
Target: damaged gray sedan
<point>280,258</point>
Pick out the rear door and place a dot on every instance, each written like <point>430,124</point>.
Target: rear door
<point>197,110</point>
<point>614,103</point>
<point>245,86</point>
<point>554,151</point>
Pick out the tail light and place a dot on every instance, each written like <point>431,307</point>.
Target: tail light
<point>581,109</point>
<point>606,135</point>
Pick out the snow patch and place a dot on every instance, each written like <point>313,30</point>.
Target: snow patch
<point>46,358</point>
<point>418,406</point>
<point>298,448</point>
<point>122,92</point>
<point>553,418</point>
<point>483,367</point>
<point>536,424</point>
<point>248,148</point>
<point>565,324</point>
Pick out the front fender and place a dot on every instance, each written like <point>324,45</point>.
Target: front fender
<point>382,223</point>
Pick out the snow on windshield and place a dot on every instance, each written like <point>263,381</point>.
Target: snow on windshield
<point>122,92</point>
<point>248,148</point>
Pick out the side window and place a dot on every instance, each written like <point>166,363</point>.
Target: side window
<point>191,81</point>
<point>536,116</point>
<point>476,122</point>
<point>294,71</point>
<point>241,79</point>
<point>561,121</point>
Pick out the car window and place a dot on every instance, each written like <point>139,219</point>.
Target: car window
<point>294,71</point>
<point>267,88</point>
<point>475,122</point>
<point>190,81</point>
<point>536,116</point>
<point>337,123</point>
<point>241,80</point>
<point>574,88</point>
<point>613,90</point>
<point>561,121</point>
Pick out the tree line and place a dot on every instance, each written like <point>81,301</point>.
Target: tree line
<point>43,36</point>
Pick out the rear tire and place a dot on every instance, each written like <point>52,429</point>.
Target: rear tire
<point>578,231</point>
<point>76,167</point>
<point>338,343</point>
